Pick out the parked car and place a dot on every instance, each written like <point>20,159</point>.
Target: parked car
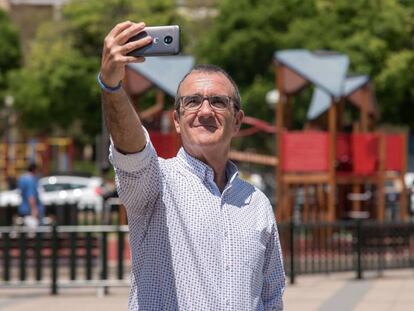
<point>86,192</point>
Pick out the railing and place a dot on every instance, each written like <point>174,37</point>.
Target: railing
<point>346,246</point>
<point>64,256</point>
<point>57,257</point>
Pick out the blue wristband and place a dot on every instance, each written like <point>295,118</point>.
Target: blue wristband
<point>107,88</point>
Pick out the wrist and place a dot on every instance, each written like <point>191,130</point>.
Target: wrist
<point>108,88</point>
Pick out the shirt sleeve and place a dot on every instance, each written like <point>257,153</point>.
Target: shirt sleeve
<point>137,178</point>
<point>274,274</point>
<point>32,188</point>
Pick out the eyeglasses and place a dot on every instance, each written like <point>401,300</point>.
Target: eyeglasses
<point>216,102</point>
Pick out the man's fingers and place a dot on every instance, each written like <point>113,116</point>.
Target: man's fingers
<point>130,59</point>
<point>133,59</point>
<point>131,46</point>
<point>127,33</point>
<point>119,28</point>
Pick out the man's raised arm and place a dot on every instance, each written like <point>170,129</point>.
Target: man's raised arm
<point>120,116</point>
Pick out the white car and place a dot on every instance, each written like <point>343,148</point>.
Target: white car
<point>86,192</point>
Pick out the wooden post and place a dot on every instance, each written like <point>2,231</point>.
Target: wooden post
<point>381,179</point>
<point>404,194</point>
<point>356,204</point>
<point>356,187</point>
<point>364,111</point>
<point>340,114</point>
<point>305,203</point>
<point>331,161</point>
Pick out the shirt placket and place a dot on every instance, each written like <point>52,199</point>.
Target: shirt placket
<point>227,258</point>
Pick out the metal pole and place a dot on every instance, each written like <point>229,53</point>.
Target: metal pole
<point>6,262</point>
<point>120,255</point>
<point>54,289</point>
<point>22,256</point>
<point>359,249</point>
<point>292,252</point>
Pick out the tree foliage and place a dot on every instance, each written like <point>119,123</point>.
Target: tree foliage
<point>9,50</point>
<point>56,89</point>
<point>377,35</point>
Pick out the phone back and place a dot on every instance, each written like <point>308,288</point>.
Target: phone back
<point>166,41</point>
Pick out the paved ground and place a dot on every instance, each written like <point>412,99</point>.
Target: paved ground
<point>393,291</point>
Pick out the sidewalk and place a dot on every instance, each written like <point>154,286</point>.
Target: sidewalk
<point>340,291</point>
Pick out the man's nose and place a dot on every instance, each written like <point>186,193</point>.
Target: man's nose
<point>205,107</point>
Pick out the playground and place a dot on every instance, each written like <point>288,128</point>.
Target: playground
<point>336,177</point>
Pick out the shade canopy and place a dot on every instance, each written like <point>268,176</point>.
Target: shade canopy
<point>326,70</point>
<point>164,72</point>
<point>356,90</point>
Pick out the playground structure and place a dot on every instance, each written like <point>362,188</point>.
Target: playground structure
<point>328,164</point>
<point>50,154</point>
<point>339,174</point>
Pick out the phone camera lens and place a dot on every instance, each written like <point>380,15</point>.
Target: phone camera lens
<point>168,40</point>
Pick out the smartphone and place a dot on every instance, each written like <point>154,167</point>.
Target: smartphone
<point>165,41</point>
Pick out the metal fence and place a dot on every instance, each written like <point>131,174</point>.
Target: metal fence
<point>98,255</point>
<point>346,246</point>
<point>64,256</point>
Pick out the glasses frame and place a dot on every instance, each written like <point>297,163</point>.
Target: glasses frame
<point>208,98</point>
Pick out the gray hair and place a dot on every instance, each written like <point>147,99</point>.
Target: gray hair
<point>209,68</point>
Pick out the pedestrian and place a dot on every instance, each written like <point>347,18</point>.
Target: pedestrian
<point>201,238</point>
<point>31,208</point>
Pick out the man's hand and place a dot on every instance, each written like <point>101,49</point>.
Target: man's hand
<point>121,118</point>
<point>115,50</point>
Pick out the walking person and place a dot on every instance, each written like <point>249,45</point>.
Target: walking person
<point>201,237</point>
<point>31,208</point>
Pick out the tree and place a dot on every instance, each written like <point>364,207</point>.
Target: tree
<point>9,50</point>
<point>377,35</point>
<point>56,90</point>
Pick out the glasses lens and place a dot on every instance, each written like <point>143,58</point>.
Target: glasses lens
<point>192,102</point>
<point>219,102</point>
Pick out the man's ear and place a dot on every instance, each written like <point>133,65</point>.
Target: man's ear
<point>176,118</point>
<point>238,121</point>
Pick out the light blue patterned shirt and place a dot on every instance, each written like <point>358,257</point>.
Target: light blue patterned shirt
<point>194,248</point>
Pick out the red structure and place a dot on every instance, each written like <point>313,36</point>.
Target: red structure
<point>333,167</point>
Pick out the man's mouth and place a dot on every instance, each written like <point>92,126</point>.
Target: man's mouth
<point>209,127</point>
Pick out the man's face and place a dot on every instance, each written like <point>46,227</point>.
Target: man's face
<point>206,127</point>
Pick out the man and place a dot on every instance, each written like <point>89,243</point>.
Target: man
<point>201,238</point>
<point>30,207</point>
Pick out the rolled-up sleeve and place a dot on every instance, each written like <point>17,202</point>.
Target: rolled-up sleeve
<point>137,177</point>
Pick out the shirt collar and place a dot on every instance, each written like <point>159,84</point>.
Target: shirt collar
<point>202,170</point>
